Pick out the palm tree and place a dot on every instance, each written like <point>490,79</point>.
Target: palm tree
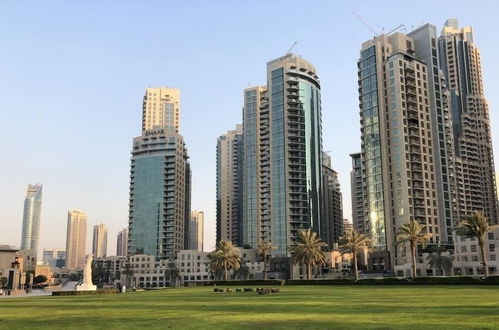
<point>439,261</point>
<point>476,225</point>
<point>264,249</point>
<point>242,272</point>
<point>128,272</point>
<point>172,273</point>
<point>226,257</point>
<point>413,233</point>
<point>308,250</point>
<point>353,242</point>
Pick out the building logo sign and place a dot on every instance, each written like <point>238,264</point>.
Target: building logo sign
<point>155,131</point>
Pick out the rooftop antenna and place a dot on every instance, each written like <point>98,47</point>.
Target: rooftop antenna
<point>290,48</point>
<point>398,27</point>
<point>364,22</point>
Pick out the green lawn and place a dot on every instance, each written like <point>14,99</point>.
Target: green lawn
<point>339,307</point>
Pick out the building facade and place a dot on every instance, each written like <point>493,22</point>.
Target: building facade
<point>283,155</point>
<point>357,193</point>
<point>229,186</point>
<point>161,108</point>
<point>159,187</point>
<point>76,239</point>
<point>474,161</point>
<point>331,225</point>
<point>31,219</point>
<point>122,243</point>
<point>397,155</point>
<point>99,242</point>
<point>196,231</point>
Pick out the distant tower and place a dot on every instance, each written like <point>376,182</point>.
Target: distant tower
<point>229,186</point>
<point>196,231</point>
<point>99,246</point>
<point>76,240</point>
<point>331,225</point>
<point>122,243</point>
<point>31,219</point>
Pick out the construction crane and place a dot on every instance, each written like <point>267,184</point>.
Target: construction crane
<point>365,23</point>
<point>290,48</point>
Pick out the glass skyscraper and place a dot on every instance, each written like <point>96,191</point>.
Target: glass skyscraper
<point>159,186</point>
<point>31,219</point>
<point>283,155</point>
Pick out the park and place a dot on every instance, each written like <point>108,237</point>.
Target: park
<point>294,306</point>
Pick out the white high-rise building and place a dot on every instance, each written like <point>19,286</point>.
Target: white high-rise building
<point>31,219</point>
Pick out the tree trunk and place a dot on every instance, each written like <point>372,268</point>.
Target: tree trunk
<point>265,266</point>
<point>355,270</point>
<point>484,259</point>
<point>413,252</point>
<point>225,271</point>
<point>309,271</point>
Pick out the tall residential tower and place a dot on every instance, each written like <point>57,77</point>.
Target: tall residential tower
<point>31,219</point>
<point>76,240</point>
<point>99,243</point>
<point>229,186</point>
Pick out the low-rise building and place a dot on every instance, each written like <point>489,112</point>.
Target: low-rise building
<point>467,255</point>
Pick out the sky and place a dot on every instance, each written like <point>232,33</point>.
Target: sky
<point>73,75</point>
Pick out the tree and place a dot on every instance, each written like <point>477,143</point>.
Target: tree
<point>40,279</point>
<point>98,274</point>
<point>477,226</point>
<point>3,282</point>
<point>128,272</point>
<point>439,261</point>
<point>414,234</point>
<point>242,272</point>
<point>353,242</point>
<point>264,249</point>
<point>308,250</point>
<point>172,273</point>
<point>225,257</point>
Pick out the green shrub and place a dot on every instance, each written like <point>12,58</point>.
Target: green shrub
<point>85,293</point>
<point>247,282</point>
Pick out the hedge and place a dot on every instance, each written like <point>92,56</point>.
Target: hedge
<point>452,280</point>
<point>85,293</point>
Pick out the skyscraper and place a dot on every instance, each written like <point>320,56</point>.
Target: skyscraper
<point>122,243</point>
<point>99,245</point>
<point>331,225</point>
<point>76,239</point>
<point>474,161</point>
<point>398,166</point>
<point>196,231</point>
<point>283,155</point>
<point>160,180</point>
<point>229,186</point>
<point>161,108</point>
<point>31,219</point>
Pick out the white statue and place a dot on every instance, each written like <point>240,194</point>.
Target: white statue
<point>87,284</point>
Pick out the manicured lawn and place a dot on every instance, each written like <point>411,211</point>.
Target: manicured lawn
<point>339,307</point>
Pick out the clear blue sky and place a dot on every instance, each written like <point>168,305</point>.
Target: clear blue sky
<point>73,74</point>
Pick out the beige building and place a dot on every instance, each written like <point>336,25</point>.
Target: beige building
<point>161,109</point>
<point>229,186</point>
<point>196,231</point>
<point>99,245</point>
<point>122,242</point>
<point>76,240</point>
<point>467,257</point>
<point>474,162</point>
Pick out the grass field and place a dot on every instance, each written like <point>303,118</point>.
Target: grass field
<point>338,307</point>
